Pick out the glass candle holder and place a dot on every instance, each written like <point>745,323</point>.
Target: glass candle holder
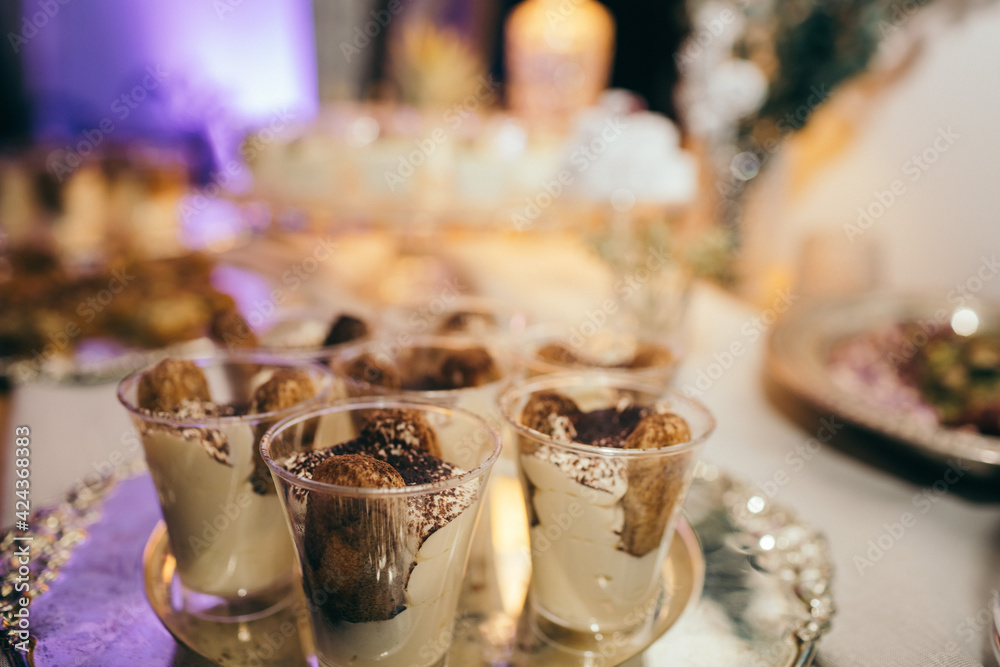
<point>601,517</point>
<point>224,522</point>
<point>382,568</point>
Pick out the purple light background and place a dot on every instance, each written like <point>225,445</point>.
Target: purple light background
<point>228,68</point>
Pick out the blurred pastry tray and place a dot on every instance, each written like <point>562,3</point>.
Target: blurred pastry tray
<point>798,357</point>
<point>745,583</point>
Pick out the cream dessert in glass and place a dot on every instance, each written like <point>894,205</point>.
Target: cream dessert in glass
<point>382,505</point>
<point>301,333</point>
<point>200,422</point>
<point>454,370</point>
<point>549,349</point>
<point>605,462</point>
<point>451,370</point>
<point>463,315</point>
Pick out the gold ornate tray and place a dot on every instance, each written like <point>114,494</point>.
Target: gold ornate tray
<point>483,636</point>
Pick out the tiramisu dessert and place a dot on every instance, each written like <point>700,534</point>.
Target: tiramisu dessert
<point>463,315</point>
<point>424,368</point>
<point>600,521</point>
<point>223,518</point>
<point>645,355</point>
<point>600,352</point>
<point>468,322</point>
<point>455,371</point>
<point>383,564</point>
<point>229,329</point>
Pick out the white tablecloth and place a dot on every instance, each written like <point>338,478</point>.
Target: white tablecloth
<point>922,601</point>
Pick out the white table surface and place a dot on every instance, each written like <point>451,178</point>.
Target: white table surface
<point>923,602</point>
<point>926,600</point>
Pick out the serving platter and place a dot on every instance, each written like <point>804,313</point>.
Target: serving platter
<point>740,586</point>
<point>87,359</point>
<point>284,638</point>
<point>799,352</point>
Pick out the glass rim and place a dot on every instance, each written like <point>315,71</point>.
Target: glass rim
<point>479,302</point>
<point>537,336</point>
<point>377,402</point>
<point>502,310</point>
<point>233,357</point>
<point>306,313</point>
<point>505,360</point>
<point>612,379</point>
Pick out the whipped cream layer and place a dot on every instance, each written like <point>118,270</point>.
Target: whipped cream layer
<point>581,575</point>
<point>419,635</point>
<point>228,540</point>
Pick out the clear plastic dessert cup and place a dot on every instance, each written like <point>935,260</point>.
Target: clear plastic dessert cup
<point>464,386</point>
<point>393,354</point>
<point>479,316</point>
<point>300,333</point>
<point>601,517</point>
<point>382,568</point>
<point>547,349</point>
<point>224,522</point>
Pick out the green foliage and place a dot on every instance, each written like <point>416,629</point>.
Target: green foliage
<point>822,44</point>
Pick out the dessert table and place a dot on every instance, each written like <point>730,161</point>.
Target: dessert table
<point>917,563</point>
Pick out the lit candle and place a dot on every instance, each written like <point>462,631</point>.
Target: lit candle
<point>558,58</point>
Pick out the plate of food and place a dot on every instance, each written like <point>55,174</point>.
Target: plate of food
<point>917,370</point>
<point>94,326</point>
